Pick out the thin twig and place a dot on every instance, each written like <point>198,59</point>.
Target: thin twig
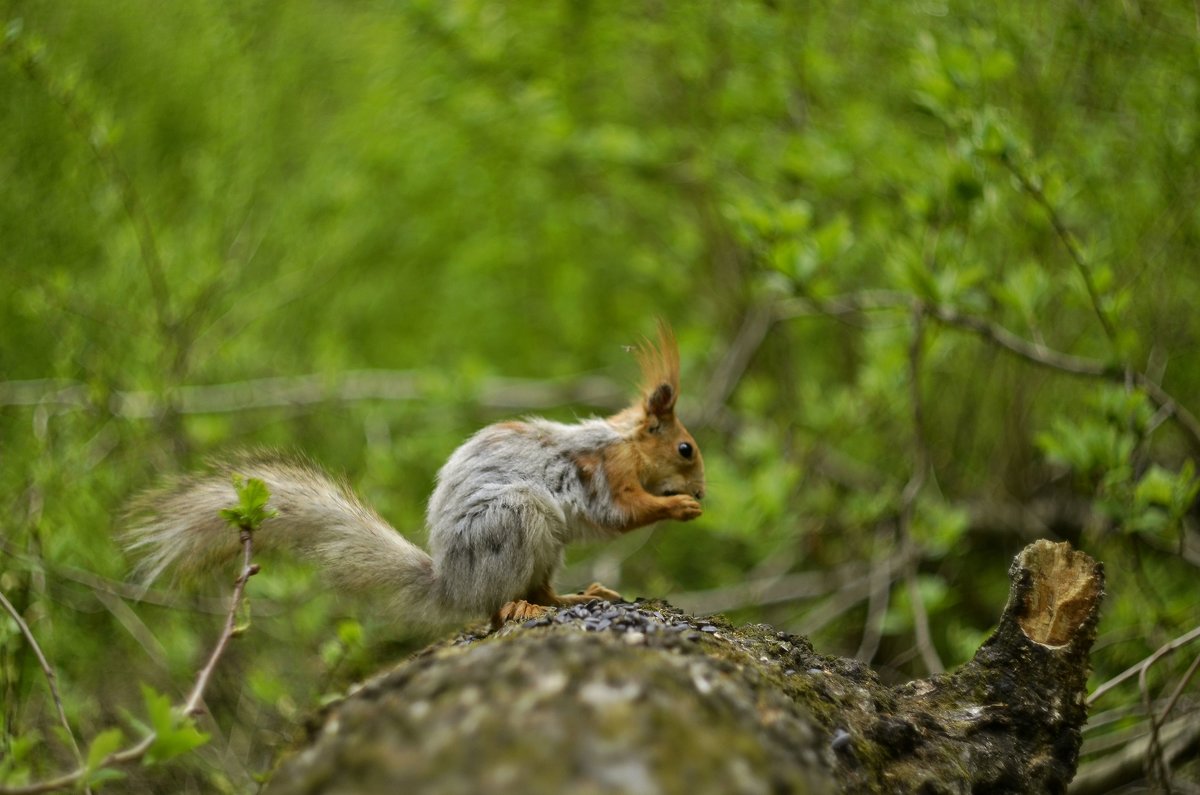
<point>191,705</point>
<point>1136,669</point>
<point>1027,350</point>
<point>1179,688</point>
<point>48,670</point>
<point>249,569</point>
<point>1102,732</point>
<point>780,589</point>
<point>850,593</point>
<point>1157,768</point>
<point>877,605</point>
<point>924,638</point>
<point>884,300</point>
<point>837,604</point>
<point>1075,365</point>
<point>102,587</point>
<point>1068,241</point>
<point>728,373</point>
<point>1107,774</point>
<point>912,490</point>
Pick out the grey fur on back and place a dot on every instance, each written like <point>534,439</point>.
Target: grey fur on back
<point>507,502</point>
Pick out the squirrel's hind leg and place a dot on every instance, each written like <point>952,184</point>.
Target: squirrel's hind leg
<point>539,601</point>
<point>518,610</point>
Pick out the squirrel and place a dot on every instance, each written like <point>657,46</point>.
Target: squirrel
<point>506,503</point>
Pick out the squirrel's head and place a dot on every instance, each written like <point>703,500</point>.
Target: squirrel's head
<point>668,458</point>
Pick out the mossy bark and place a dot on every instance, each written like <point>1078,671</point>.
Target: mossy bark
<point>640,698</point>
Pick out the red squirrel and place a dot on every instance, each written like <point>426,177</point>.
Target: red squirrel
<point>506,503</point>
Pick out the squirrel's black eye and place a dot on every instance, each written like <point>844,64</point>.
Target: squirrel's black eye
<point>685,449</point>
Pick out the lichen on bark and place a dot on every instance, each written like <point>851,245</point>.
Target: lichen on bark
<point>641,698</point>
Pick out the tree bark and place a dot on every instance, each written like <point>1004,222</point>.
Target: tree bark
<point>641,698</point>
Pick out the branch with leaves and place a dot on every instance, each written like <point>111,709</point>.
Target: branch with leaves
<point>171,730</point>
<point>997,335</point>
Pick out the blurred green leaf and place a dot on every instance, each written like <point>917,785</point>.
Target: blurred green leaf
<point>102,745</point>
<point>14,765</point>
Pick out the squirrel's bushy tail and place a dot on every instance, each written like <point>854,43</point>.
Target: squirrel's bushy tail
<point>179,528</point>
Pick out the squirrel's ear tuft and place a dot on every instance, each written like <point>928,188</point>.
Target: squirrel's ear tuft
<point>661,401</point>
<point>660,371</point>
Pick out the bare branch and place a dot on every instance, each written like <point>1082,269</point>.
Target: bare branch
<point>1158,770</point>
<point>729,371</point>
<point>877,605</point>
<point>1027,350</point>
<point>1136,669</point>
<point>48,670</point>
<point>770,590</point>
<point>1157,762</point>
<point>103,587</point>
<point>313,389</point>
<point>1110,772</point>
<point>1041,355</point>
<point>191,705</point>
<point>1068,241</point>
<point>1179,688</point>
<point>912,490</point>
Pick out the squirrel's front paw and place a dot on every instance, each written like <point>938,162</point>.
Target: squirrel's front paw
<point>685,507</point>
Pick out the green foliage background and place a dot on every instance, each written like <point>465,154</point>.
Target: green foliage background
<point>489,201</point>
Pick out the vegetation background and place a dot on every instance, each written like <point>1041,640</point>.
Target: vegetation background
<point>932,264</point>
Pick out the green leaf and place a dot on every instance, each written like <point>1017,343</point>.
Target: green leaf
<point>251,510</point>
<point>254,495</point>
<point>158,708</point>
<point>175,733</point>
<point>175,742</point>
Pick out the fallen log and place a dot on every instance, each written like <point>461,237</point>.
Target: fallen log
<point>642,698</point>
